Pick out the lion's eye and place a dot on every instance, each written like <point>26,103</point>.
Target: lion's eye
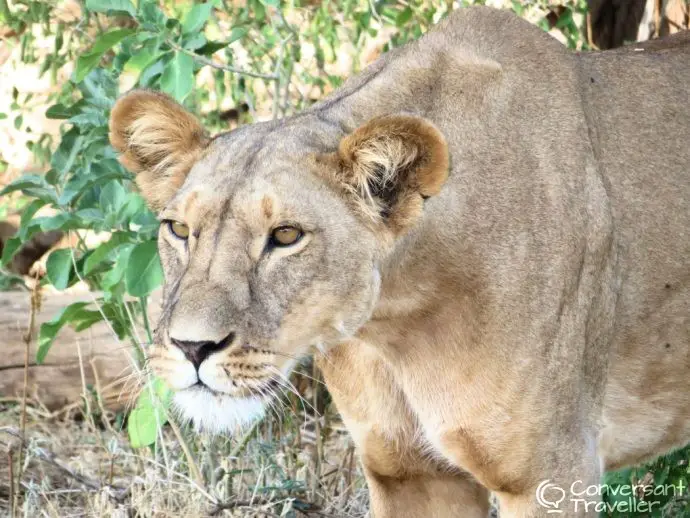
<point>285,236</point>
<point>180,230</point>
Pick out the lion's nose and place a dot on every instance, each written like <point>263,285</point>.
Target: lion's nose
<point>197,352</point>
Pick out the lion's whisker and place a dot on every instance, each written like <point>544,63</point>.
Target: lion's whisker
<point>284,380</point>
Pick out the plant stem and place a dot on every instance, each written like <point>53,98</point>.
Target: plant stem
<point>219,66</point>
<point>144,311</point>
<point>35,306</point>
<point>245,439</point>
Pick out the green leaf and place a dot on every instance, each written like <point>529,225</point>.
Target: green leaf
<point>151,17</point>
<point>103,6</point>
<point>27,214</point>
<point>143,58</point>
<point>178,76</point>
<point>63,221</point>
<point>34,186</point>
<point>104,252</point>
<point>23,182</point>
<point>133,206</point>
<point>194,41</point>
<point>144,272</point>
<point>66,153</point>
<point>112,197</point>
<point>49,330</point>
<point>11,247</point>
<point>90,216</point>
<point>114,276</point>
<point>9,281</point>
<point>149,415</point>
<point>87,62</point>
<point>403,16</point>
<point>196,18</point>
<point>88,318</point>
<point>99,88</point>
<point>259,9</point>
<point>59,268</point>
<point>59,111</point>
<point>210,47</point>
<point>89,119</point>
<point>236,33</point>
<point>109,39</point>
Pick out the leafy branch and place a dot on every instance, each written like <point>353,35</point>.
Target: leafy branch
<point>220,66</point>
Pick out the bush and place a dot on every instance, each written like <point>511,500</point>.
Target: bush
<point>258,59</point>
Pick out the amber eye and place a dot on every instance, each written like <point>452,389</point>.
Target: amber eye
<point>180,230</point>
<point>285,236</point>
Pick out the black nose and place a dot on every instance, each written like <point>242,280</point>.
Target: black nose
<point>197,352</point>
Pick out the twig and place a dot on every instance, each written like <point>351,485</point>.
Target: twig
<point>187,453</point>
<point>287,25</point>
<point>306,508</point>
<point>375,13</point>
<point>99,397</point>
<point>10,463</point>
<point>93,298</point>
<point>85,394</point>
<point>238,505</point>
<point>184,477</point>
<point>28,337</point>
<point>220,66</point>
<point>276,72</point>
<point>348,475</point>
<point>317,430</point>
<point>117,493</point>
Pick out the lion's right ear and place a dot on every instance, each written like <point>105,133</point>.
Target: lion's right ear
<point>158,140</point>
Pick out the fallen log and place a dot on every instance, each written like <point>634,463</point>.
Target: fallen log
<point>90,362</point>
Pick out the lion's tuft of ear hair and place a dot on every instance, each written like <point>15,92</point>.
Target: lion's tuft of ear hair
<point>392,163</point>
<point>158,140</point>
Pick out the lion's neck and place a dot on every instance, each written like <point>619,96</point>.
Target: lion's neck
<point>371,93</point>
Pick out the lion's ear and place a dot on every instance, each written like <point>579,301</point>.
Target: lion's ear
<point>158,140</point>
<point>392,164</point>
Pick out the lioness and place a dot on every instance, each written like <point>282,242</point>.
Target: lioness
<point>483,236</point>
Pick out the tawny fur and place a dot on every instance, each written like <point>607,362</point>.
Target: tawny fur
<point>157,139</point>
<point>529,321</point>
<point>403,154</point>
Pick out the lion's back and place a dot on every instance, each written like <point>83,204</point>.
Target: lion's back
<point>638,105</point>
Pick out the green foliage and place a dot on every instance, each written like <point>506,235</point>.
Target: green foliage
<point>149,415</point>
<point>659,489</point>
<point>177,79</point>
<point>253,54</point>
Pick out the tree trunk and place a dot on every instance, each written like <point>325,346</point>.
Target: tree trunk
<point>92,361</point>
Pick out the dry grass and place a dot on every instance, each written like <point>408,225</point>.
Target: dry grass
<point>79,465</point>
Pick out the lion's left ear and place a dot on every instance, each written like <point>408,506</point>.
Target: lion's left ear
<point>392,164</point>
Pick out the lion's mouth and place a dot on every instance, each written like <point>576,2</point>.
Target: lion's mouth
<point>265,390</point>
<point>200,385</point>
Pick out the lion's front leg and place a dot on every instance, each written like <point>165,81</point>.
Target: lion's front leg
<point>427,496</point>
<point>405,479</point>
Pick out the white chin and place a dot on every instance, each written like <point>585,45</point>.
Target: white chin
<point>216,413</point>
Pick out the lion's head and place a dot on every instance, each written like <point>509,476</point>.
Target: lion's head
<point>271,239</point>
